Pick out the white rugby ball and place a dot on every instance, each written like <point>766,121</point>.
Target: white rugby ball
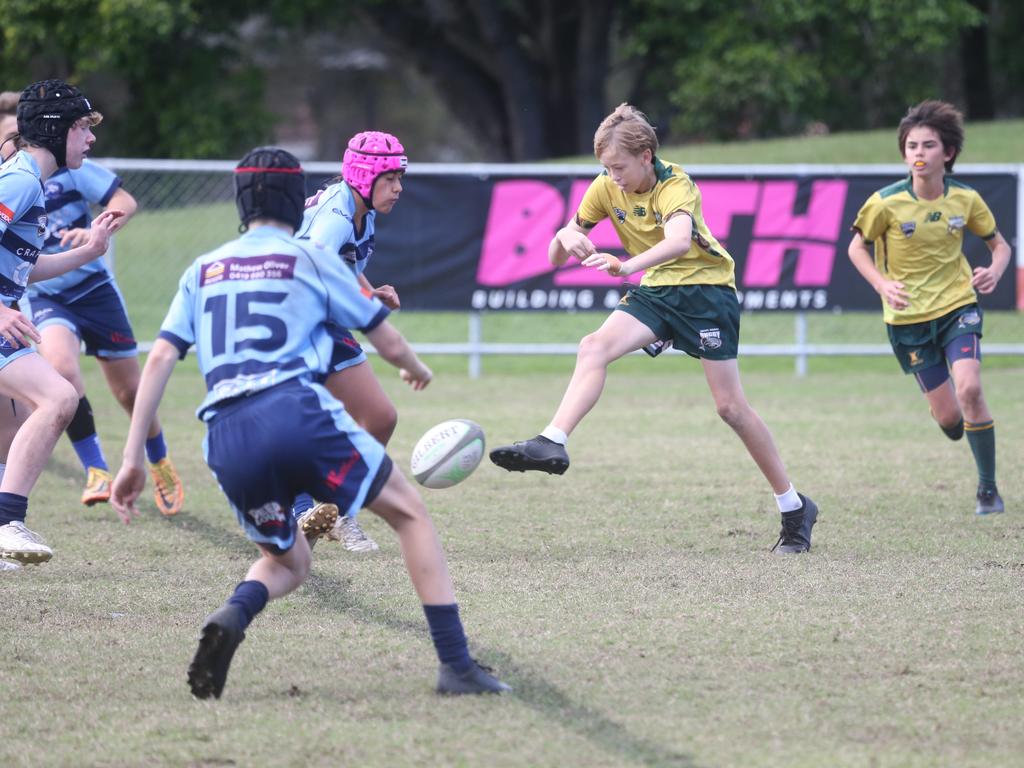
<point>448,453</point>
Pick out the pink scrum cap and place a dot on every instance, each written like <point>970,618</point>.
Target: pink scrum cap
<point>370,154</point>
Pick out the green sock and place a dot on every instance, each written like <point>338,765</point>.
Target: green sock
<point>982,439</point>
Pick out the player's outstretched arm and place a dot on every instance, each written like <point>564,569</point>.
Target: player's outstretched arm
<point>52,264</point>
<point>131,478</point>
<point>891,291</point>
<point>392,346</point>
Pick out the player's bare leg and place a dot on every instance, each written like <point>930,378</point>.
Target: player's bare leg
<point>365,400</point>
<point>400,505</point>
<point>52,401</point>
<point>723,377</point>
<point>619,335</point>
<point>798,512</point>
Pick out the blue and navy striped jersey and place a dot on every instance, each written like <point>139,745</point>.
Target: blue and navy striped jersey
<point>22,223</point>
<point>329,221</point>
<point>69,194</point>
<point>257,310</point>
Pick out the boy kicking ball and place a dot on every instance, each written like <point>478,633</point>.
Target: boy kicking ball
<point>687,296</point>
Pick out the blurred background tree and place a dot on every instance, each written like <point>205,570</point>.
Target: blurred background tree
<point>506,79</point>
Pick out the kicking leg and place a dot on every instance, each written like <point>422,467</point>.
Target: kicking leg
<point>619,335</point>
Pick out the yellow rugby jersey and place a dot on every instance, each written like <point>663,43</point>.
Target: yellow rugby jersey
<point>920,243</point>
<point>638,218</point>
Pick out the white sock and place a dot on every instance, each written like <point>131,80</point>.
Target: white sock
<point>554,434</point>
<point>788,501</point>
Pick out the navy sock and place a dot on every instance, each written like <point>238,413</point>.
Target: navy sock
<point>303,503</point>
<point>12,507</point>
<point>90,453</point>
<point>448,636</point>
<point>251,597</point>
<point>156,448</point>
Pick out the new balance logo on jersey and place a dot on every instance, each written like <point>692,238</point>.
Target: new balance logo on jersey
<point>934,216</point>
<point>639,211</point>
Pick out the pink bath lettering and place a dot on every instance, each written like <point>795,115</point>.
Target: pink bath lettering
<point>765,262</point>
<point>523,217</point>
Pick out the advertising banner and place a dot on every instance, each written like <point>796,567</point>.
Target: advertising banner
<point>465,242</point>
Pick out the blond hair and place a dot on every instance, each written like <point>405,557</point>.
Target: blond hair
<point>628,128</point>
<point>9,103</point>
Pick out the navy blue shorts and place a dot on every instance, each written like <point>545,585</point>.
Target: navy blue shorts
<point>98,318</point>
<point>296,437</point>
<point>347,351</point>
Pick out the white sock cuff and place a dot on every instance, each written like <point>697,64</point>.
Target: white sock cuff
<point>554,434</point>
<point>788,501</point>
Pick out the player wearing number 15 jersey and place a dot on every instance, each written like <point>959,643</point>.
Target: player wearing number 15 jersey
<point>257,310</point>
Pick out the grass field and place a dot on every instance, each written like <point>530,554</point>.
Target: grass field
<point>632,603</point>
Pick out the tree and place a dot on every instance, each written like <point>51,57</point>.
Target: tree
<point>175,71</point>
<point>527,76</point>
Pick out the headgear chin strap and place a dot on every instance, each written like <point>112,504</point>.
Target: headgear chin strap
<point>46,112</point>
<point>270,184</point>
<point>371,154</point>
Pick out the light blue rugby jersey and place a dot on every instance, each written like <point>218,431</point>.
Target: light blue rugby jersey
<point>256,309</point>
<point>22,223</point>
<point>69,194</point>
<point>329,221</point>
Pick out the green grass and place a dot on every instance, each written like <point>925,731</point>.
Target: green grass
<point>999,141</point>
<point>632,603</point>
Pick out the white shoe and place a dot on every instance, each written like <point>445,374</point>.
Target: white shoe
<point>19,543</point>
<point>351,536</point>
<point>9,565</point>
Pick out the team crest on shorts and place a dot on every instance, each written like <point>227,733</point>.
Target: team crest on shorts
<point>270,513</point>
<point>908,228</point>
<point>968,318</point>
<point>956,223</point>
<point>914,357</point>
<point>710,338</point>
<point>620,215</point>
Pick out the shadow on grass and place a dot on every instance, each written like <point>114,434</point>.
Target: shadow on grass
<point>530,687</point>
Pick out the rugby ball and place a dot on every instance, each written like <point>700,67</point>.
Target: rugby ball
<point>448,453</point>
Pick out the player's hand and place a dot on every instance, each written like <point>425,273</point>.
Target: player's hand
<point>103,226</point>
<point>575,243</point>
<point>16,329</point>
<point>985,279</point>
<point>72,238</point>
<point>605,262</point>
<point>417,379</point>
<point>125,490</point>
<point>894,295</point>
<point>388,296</point>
